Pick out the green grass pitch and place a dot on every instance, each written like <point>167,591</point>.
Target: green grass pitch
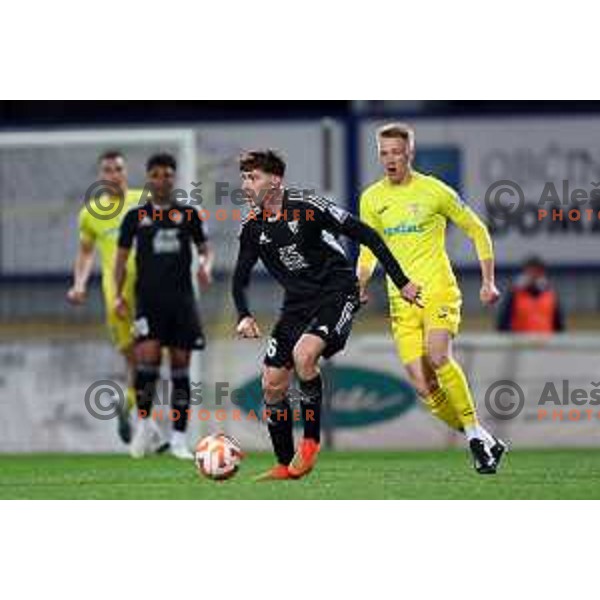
<point>531,474</point>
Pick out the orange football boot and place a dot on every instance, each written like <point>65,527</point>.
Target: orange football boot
<point>276,473</point>
<point>305,458</point>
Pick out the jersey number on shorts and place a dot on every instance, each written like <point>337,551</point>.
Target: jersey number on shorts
<point>141,327</point>
<point>271,347</point>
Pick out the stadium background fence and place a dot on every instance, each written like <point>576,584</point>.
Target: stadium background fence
<point>44,174</point>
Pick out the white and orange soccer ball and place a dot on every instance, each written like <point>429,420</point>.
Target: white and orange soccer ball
<point>218,456</point>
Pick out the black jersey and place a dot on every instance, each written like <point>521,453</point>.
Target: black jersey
<point>300,249</point>
<point>163,239</point>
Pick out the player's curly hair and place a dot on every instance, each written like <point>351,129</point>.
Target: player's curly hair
<point>267,161</point>
<point>162,159</point>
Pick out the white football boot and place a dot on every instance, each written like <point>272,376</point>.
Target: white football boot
<point>179,447</point>
<point>145,438</point>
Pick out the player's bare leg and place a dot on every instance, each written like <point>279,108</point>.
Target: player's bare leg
<point>275,385</point>
<point>423,379</point>
<point>486,449</point>
<point>180,401</point>
<point>145,437</point>
<point>307,353</point>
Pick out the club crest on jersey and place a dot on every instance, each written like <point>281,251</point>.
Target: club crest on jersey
<point>146,221</point>
<point>293,226</point>
<point>414,209</point>
<point>264,238</point>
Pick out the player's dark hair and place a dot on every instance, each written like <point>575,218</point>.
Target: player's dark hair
<point>266,161</point>
<point>162,159</point>
<point>110,155</point>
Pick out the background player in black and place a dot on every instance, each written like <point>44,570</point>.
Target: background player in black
<point>166,313</point>
<point>295,236</point>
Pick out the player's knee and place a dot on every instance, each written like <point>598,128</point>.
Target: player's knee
<point>274,388</point>
<point>438,358</point>
<point>305,363</point>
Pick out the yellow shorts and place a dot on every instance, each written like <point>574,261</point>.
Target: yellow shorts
<point>119,330</point>
<point>410,323</point>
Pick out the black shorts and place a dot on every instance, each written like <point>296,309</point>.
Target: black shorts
<point>174,322</point>
<point>331,320</point>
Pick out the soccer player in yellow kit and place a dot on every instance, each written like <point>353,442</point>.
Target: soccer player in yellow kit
<point>410,211</point>
<point>98,231</point>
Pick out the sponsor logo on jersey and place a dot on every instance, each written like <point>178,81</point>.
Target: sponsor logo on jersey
<point>291,258</point>
<point>403,228</point>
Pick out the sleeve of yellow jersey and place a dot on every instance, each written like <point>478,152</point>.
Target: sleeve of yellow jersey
<point>366,259</point>
<point>453,207</point>
<point>86,230</point>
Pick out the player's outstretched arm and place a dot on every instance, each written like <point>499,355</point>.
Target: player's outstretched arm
<point>247,258</point>
<point>333,218</point>
<point>473,227</point>
<point>367,236</point>
<point>82,269</point>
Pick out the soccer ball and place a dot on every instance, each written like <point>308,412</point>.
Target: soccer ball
<point>218,456</point>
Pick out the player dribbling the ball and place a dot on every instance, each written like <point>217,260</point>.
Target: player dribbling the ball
<point>295,236</point>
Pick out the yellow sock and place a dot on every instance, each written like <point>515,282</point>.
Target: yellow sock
<point>438,405</point>
<point>452,379</point>
<point>130,398</point>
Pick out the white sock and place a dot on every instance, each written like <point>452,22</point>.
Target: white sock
<point>486,436</point>
<point>479,432</point>
<point>178,438</point>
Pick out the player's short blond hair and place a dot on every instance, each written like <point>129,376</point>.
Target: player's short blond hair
<point>397,131</point>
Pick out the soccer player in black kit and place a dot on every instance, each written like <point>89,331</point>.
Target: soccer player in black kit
<point>295,236</point>
<point>165,312</point>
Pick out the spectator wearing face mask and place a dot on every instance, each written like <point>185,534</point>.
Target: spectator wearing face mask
<point>532,304</point>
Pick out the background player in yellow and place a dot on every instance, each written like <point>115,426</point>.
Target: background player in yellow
<point>410,210</point>
<point>98,231</point>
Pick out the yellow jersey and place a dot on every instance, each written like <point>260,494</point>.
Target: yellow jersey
<point>411,217</point>
<point>104,234</point>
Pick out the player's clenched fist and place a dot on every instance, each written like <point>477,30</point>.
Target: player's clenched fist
<point>120,307</point>
<point>204,277</point>
<point>411,292</point>
<point>489,294</point>
<point>248,328</point>
<point>76,295</point>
